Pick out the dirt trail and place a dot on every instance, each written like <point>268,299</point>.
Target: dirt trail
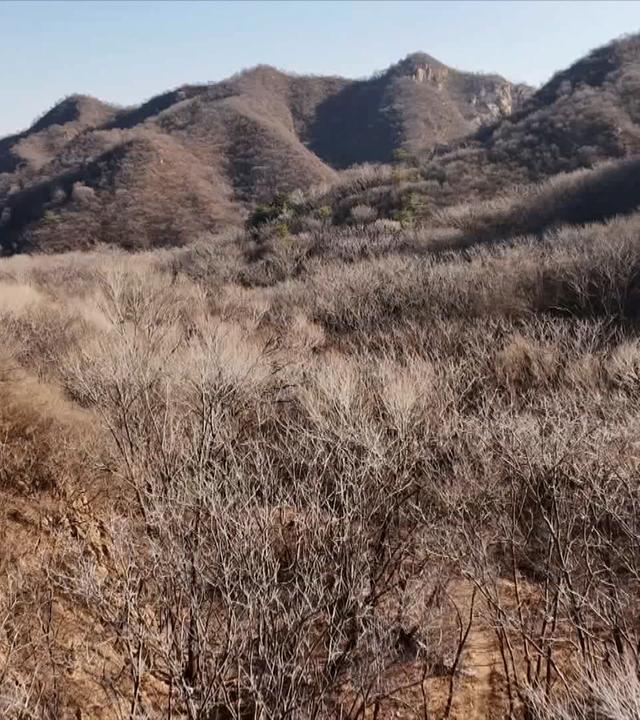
<point>479,688</point>
<point>480,694</point>
<point>480,685</point>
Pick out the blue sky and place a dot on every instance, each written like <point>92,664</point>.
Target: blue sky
<point>125,52</point>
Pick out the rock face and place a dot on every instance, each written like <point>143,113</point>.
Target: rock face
<point>493,101</point>
<point>427,73</point>
<point>491,98</point>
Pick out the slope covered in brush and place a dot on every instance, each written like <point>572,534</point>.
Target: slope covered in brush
<point>584,116</point>
<point>223,147</point>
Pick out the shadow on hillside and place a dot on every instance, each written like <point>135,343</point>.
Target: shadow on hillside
<point>354,126</point>
<point>575,199</point>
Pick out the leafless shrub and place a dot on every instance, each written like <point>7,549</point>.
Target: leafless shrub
<point>321,486</point>
<point>363,214</point>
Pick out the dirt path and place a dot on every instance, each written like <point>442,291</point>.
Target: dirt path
<point>480,692</point>
<point>479,687</point>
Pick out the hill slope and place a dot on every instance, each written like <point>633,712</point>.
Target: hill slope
<point>585,115</point>
<point>225,145</point>
<point>48,136</point>
<point>589,112</point>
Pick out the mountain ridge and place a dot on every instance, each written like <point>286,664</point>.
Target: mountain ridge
<point>211,152</point>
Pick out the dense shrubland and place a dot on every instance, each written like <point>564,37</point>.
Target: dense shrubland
<point>325,474</point>
<point>466,199</point>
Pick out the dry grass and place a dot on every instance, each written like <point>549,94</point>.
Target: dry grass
<point>278,492</point>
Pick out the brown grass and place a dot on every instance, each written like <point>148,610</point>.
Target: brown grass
<point>345,450</point>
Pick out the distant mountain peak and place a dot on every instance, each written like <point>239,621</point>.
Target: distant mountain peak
<point>422,68</point>
<point>73,108</point>
<point>420,59</point>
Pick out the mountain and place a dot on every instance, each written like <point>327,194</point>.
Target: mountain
<point>48,136</point>
<point>584,116</point>
<point>196,159</point>
<point>193,159</point>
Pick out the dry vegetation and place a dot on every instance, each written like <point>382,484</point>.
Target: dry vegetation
<point>284,477</point>
<point>373,455</point>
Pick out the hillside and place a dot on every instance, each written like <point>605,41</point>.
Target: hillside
<point>249,137</point>
<point>48,136</point>
<point>339,473</point>
<point>585,115</point>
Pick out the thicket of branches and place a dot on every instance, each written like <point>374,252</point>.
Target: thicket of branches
<point>280,476</point>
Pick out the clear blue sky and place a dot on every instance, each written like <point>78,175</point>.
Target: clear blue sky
<point>125,52</point>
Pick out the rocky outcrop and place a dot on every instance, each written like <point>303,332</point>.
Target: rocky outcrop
<point>496,99</point>
<point>426,73</point>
